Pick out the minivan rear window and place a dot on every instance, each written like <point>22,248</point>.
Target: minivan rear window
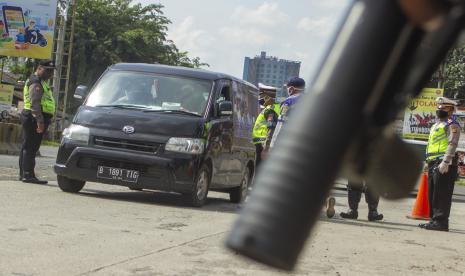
<point>151,91</point>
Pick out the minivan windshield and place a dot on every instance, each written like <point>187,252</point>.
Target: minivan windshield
<point>150,92</point>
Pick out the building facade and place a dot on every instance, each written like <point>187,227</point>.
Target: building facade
<point>270,71</point>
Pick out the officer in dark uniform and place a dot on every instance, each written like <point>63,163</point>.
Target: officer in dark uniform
<point>354,194</point>
<point>39,108</point>
<point>442,160</point>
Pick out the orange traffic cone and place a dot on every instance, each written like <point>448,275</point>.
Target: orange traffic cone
<point>421,207</point>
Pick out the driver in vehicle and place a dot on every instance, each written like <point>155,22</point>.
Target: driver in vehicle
<point>192,100</point>
<point>137,94</point>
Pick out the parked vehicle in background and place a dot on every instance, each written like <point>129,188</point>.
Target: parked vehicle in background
<point>165,128</point>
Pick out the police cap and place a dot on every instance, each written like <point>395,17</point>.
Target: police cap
<point>47,63</point>
<point>296,82</point>
<point>443,101</point>
<point>267,90</point>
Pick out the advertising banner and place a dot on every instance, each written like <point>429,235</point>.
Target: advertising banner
<point>420,114</point>
<point>27,28</point>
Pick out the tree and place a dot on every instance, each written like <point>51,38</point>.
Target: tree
<point>112,31</point>
<point>23,69</point>
<point>451,74</point>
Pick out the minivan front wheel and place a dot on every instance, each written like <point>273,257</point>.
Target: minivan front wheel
<point>198,196</point>
<point>69,185</point>
<point>238,194</point>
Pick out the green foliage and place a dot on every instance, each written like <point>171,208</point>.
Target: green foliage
<point>112,31</point>
<point>451,73</point>
<point>21,68</point>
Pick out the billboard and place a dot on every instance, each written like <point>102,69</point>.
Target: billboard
<point>27,28</point>
<point>420,114</point>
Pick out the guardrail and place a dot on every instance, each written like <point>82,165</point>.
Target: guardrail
<point>10,138</point>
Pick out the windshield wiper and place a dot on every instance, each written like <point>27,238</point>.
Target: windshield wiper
<point>124,106</point>
<point>173,111</point>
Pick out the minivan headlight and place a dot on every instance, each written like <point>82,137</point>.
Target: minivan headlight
<point>77,134</point>
<point>185,145</point>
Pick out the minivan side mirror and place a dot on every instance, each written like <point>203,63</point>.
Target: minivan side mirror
<point>80,94</point>
<point>225,108</point>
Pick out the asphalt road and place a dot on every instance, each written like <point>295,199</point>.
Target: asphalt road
<point>110,230</point>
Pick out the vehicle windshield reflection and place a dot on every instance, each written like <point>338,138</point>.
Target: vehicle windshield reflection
<point>121,89</point>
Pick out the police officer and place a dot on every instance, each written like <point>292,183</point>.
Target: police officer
<point>442,160</point>
<point>266,120</point>
<point>354,194</point>
<point>295,87</point>
<point>39,108</point>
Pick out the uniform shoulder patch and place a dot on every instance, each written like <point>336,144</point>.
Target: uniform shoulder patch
<point>270,117</point>
<point>284,109</point>
<point>454,128</point>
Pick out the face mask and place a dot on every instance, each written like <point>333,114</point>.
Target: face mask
<point>261,101</point>
<point>442,114</point>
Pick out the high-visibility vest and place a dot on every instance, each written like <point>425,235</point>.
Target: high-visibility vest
<point>47,103</point>
<point>260,129</point>
<point>437,141</point>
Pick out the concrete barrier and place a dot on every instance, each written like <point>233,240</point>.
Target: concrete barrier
<point>10,138</point>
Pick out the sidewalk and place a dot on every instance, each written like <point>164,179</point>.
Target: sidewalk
<point>341,184</point>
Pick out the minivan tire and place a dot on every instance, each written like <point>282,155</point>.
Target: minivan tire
<point>70,185</point>
<point>199,194</point>
<point>239,194</point>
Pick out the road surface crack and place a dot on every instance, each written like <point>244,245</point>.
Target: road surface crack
<point>151,253</point>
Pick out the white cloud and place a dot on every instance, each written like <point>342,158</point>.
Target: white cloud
<point>320,26</point>
<point>333,4</point>
<point>233,30</point>
<point>188,37</point>
<point>267,14</point>
<point>242,36</point>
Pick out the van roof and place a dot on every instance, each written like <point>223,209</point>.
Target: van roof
<point>177,70</point>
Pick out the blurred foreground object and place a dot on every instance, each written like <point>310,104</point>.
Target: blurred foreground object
<point>377,61</point>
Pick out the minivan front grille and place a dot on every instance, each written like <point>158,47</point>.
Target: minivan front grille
<point>149,147</point>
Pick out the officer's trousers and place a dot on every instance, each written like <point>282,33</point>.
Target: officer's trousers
<point>31,143</point>
<point>355,191</point>
<point>440,190</point>
<point>258,154</point>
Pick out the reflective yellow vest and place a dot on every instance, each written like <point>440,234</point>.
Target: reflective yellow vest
<point>437,142</point>
<point>47,102</point>
<point>260,129</point>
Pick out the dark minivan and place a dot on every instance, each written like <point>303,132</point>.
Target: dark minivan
<point>165,128</point>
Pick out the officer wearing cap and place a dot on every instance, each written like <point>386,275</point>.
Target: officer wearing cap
<point>39,108</point>
<point>295,86</point>
<point>442,159</point>
<point>266,120</point>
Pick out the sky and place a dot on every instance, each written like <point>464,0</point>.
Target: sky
<point>223,32</point>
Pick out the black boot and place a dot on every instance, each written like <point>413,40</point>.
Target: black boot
<point>372,200</point>
<point>353,197</point>
<point>30,178</point>
<point>373,215</point>
<point>350,214</point>
<point>435,226</point>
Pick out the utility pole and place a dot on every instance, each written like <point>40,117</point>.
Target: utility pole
<point>70,52</point>
<point>64,45</point>
<point>442,74</point>
<point>57,74</point>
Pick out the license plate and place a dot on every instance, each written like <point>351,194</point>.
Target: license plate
<point>117,174</point>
